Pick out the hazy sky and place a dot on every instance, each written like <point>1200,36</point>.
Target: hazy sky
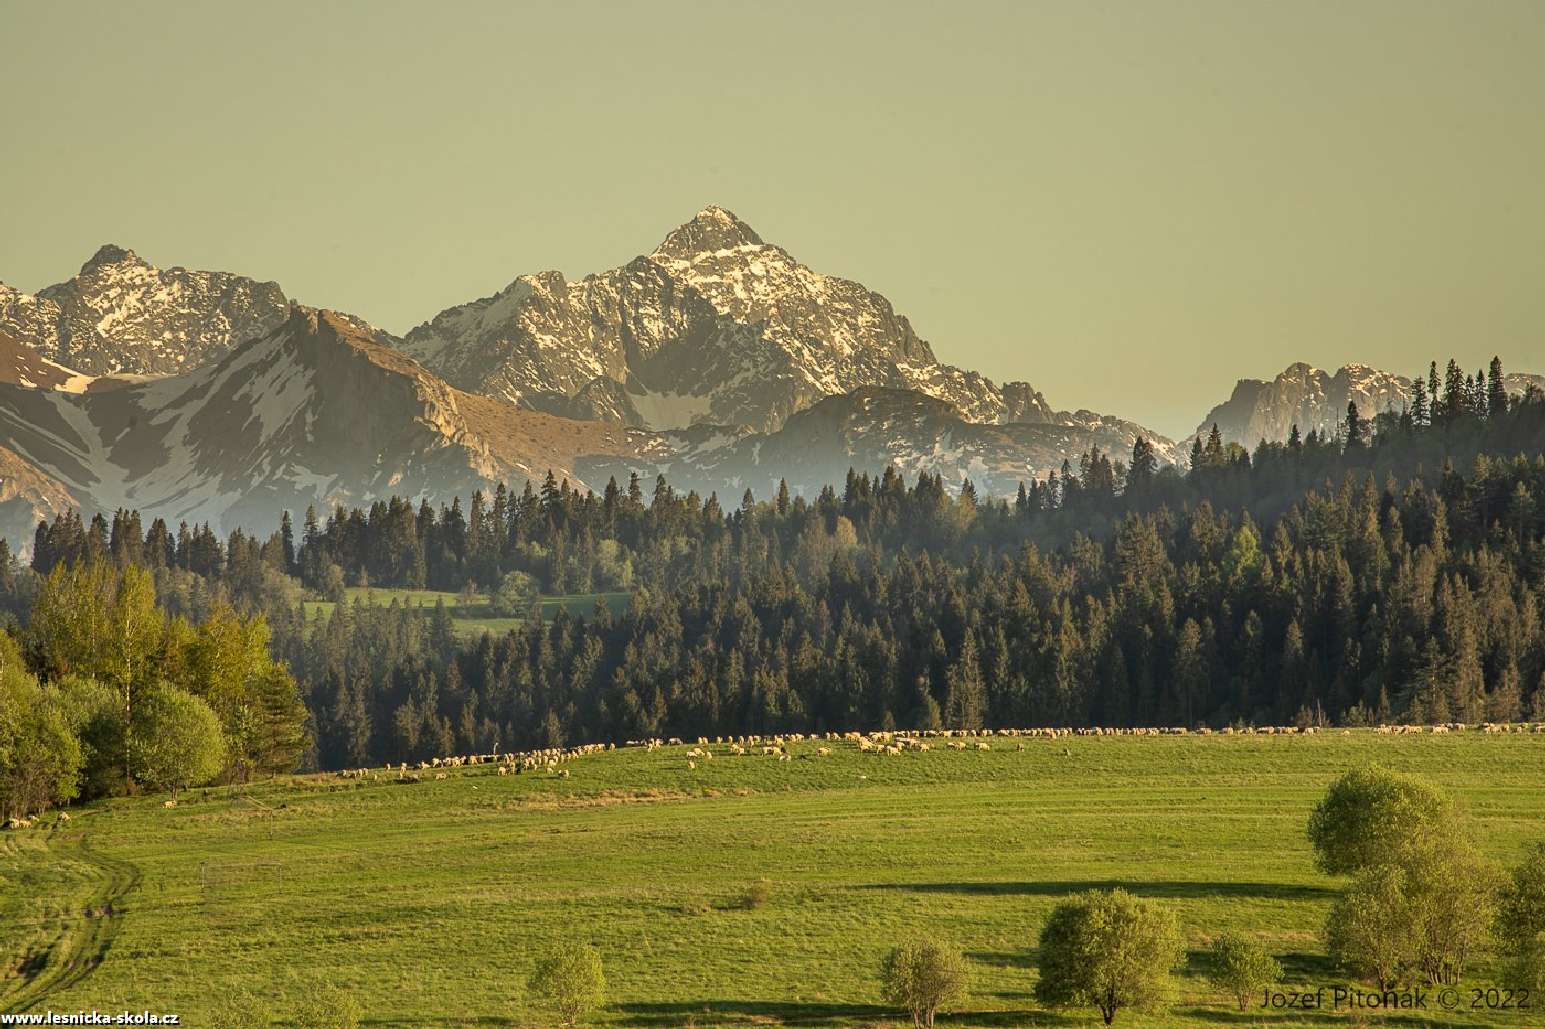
<point>1130,205</point>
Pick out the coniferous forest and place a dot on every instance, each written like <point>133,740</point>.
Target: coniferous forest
<point>1392,571</point>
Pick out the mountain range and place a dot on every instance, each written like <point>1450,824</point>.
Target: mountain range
<point>717,359</point>
<point>1316,401</point>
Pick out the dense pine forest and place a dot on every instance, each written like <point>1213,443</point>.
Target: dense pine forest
<point>1388,571</point>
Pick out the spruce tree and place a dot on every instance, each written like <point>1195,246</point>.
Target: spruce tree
<point>1496,390</point>
<point>1354,426</point>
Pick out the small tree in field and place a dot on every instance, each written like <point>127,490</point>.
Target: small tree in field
<point>516,593</point>
<point>921,976</point>
<point>1422,897</point>
<point>178,740</point>
<point>1370,814</point>
<point>1240,968</point>
<point>1368,930</point>
<point>1520,925</point>
<point>569,980</point>
<point>1110,950</point>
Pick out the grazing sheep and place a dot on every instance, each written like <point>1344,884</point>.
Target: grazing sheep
<point>504,769</point>
<point>168,803</point>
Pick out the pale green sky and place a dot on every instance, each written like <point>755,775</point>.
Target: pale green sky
<point>1131,205</point>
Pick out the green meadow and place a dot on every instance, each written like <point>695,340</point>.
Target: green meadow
<point>745,891</point>
<point>469,619</point>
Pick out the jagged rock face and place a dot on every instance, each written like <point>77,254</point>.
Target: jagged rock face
<point>318,411</point>
<point>122,314</point>
<point>869,430</point>
<point>29,320</point>
<point>27,495</point>
<point>1316,400</point>
<point>1305,396</point>
<point>714,327</point>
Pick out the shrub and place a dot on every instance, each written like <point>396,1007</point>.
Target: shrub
<point>240,1009</point>
<point>178,740</point>
<point>756,895</point>
<point>328,1007</point>
<point>922,975</point>
<point>96,712</point>
<point>1520,923</point>
<point>569,980</point>
<point>1370,814</point>
<point>1367,931</point>
<point>1110,950</point>
<point>1239,967</point>
<point>1423,914</point>
<point>1453,894</point>
<point>40,755</point>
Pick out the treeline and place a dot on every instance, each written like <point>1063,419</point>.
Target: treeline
<point>103,693</point>
<point>1386,571</point>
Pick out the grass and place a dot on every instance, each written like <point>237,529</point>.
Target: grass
<point>745,891</point>
<point>470,619</point>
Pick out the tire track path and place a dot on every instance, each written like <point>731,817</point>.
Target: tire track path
<point>84,939</point>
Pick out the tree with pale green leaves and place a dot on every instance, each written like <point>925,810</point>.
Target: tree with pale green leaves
<point>1239,967</point>
<point>1109,950</point>
<point>1371,812</point>
<point>569,980</point>
<point>922,975</point>
<point>40,755</point>
<point>515,595</point>
<point>1520,923</point>
<point>178,742</point>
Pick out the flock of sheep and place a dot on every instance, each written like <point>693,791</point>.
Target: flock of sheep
<point>548,759</point>
<point>551,760</point>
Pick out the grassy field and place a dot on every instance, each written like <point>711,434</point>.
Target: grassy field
<point>469,619</point>
<point>428,901</point>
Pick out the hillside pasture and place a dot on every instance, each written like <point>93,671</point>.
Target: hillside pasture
<point>742,891</point>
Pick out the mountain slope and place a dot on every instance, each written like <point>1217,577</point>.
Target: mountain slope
<point>1316,400</point>
<point>318,411</point>
<point>21,365</point>
<point>122,314</point>
<point>715,326</point>
<point>869,430</point>
<point>27,494</point>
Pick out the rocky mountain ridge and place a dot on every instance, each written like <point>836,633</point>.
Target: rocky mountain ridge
<point>1316,400</point>
<point>120,313</point>
<point>715,326</point>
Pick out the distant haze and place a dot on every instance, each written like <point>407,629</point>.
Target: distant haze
<point>1130,205</point>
